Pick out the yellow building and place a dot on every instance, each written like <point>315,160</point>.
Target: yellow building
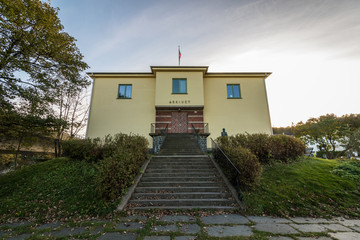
<point>179,98</point>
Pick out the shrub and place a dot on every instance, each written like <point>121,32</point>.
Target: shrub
<point>120,158</point>
<point>123,157</point>
<point>224,141</point>
<point>266,148</point>
<point>247,163</point>
<point>257,143</point>
<point>286,148</point>
<point>93,150</point>
<point>331,155</point>
<point>117,172</point>
<point>83,149</point>
<point>5,160</point>
<point>348,169</point>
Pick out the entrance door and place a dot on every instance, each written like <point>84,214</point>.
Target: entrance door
<point>179,122</point>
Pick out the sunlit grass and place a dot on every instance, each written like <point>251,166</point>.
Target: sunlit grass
<point>304,188</point>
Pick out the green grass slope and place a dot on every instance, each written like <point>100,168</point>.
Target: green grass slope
<point>65,190</point>
<point>56,189</point>
<point>305,188</point>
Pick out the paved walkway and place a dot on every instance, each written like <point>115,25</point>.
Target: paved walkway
<point>183,227</point>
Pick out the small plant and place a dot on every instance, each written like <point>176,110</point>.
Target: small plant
<point>348,169</point>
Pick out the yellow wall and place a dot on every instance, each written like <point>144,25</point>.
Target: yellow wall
<point>195,91</point>
<point>110,115</point>
<point>248,114</point>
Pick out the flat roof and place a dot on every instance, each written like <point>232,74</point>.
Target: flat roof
<point>155,69</point>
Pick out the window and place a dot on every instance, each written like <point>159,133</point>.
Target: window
<point>125,91</point>
<point>179,86</point>
<point>233,91</point>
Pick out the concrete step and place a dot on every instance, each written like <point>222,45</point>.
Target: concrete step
<point>180,160</point>
<point>182,202</point>
<point>181,184</point>
<point>179,151</point>
<point>210,207</point>
<point>181,177</point>
<point>177,179</point>
<point>182,195</point>
<point>153,189</point>
<point>187,174</point>
<point>177,170</point>
<point>181,165</point>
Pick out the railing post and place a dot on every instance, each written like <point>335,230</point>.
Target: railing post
<point>200,137</point>
<point>158,137</point>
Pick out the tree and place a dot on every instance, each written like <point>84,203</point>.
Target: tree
<point>69,111</point>
<point>33,44</point>
<point>351,128</point>
<point>23,127</point>
<point>328,130</point>
<point>324,131</point>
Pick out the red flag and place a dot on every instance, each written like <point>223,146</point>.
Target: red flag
<point>179,55</point>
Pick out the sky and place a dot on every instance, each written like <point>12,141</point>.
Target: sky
<point>312,47</point>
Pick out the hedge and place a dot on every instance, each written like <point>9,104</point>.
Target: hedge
<point>118,157</point>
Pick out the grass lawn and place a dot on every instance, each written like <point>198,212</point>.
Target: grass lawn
<point>55,189</point>
<point>66,190</point>
<point>304,188</point>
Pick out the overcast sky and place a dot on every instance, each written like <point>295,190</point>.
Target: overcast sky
<point>312,47</point>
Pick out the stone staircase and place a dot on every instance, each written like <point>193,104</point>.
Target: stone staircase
<point>181,177</point>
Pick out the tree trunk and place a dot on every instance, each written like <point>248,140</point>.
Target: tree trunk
<point>55,148</point>
<point>59,148</point>
<point>17,151</point>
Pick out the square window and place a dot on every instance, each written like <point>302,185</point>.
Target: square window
<point>233,91</point>
<point>125,91</point>
<point>179,86</point>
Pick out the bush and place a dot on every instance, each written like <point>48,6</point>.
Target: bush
<point>120,158</point>
<point>117,171</point>
<point>266,148</point>
<point>247,163</point>
<point>257,143</point>
<point>331,155</point>
<point>83,149</point>
<point>123,157</point>
<point>286,148</point>
<point>348,169</point>
<point>93,150</point>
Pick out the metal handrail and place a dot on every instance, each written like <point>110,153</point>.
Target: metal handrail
<point>194,130</point>
<point>237,171</point>
<point>158,135</point>
<point>154,129</point>
<point>205,127</point>
<point>198,138</point>
<point>165,131</point>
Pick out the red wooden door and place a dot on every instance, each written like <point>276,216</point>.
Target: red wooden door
<point>179,122</point>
